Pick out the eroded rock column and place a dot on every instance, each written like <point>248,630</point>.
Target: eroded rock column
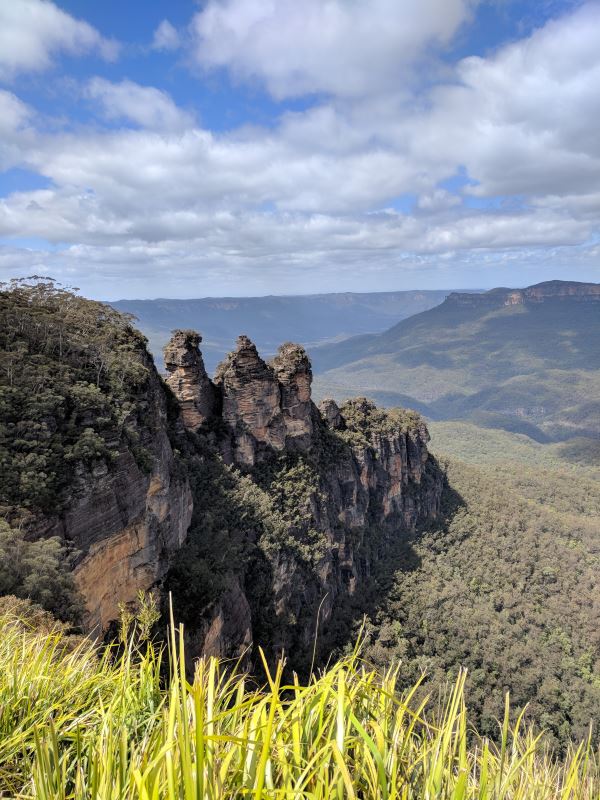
<point>251,403</point>
<point>188,380</point>
<point>293,371</point>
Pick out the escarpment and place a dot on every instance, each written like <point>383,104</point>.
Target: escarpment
<point>258,511</point>
<point>332,487</point>
<point>127,518</point>
<point>85,450</point>
<point>126,512</point>
<point>547,291</point>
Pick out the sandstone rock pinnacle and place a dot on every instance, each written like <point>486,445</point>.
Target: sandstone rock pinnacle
<point>251,402</point>
<point>330,411</point>
<point>188,379</point>
<point>293,371</point>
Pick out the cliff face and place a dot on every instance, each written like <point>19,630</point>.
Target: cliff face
<point>539,293</point>
<point>125,519</point>
<point>260,512</point>
<point>341,483</point>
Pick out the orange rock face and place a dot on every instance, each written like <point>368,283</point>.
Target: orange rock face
<point>125,519</point>
<point>187,378</point>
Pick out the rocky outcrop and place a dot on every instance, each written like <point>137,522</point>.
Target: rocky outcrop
<point>187,378</point>
<point>264,407</point>
<point>539,293</point>
<point>346,471</point>
<point>125,517</point>
<point>294,375</point>
<point>330,412</point>
<point>251,402</point>
<point>384,481</point>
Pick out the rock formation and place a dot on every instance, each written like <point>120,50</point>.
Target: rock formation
<point>539,293</point>
<point>294,374</point>
<point>330,411</point>
<point>260,512</point>
<point>264,407</point>
<point>251,401</point>
<point>124,518</point>
<point>187,378</point>
<point>351,469</point>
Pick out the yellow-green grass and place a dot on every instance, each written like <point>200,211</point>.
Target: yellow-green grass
<point>75,724</point>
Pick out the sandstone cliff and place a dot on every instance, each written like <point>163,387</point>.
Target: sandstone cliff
<point>125,517</point>
<point>259,511</point>
<point>85,452</point>
<point>539,293</point>
<point>338,484</point>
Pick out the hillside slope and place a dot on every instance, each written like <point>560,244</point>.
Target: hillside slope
<point>527,360</point>
<point>506,585</point>
<point>269,321</point>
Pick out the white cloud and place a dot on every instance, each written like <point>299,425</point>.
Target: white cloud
<point>525,120</point>
<point>340,47</point>
<point>15,134</point>
<point>166,37</point>
<point>13,113</point>
<point>143,105</point>
<point>300,200</point>
<point>33,32</point>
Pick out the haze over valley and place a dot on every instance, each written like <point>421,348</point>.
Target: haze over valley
<point>310,319</point>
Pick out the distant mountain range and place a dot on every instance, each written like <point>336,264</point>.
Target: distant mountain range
<point>268,321</point>
<point>527,360</point>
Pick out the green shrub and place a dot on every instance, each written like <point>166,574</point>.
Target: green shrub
<point>38,570</point>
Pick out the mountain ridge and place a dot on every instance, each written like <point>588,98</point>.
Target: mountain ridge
<point>536,293</point>
<point>529,356</point>
<point>311,319</point>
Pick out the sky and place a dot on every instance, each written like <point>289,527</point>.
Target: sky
<point>249,147</point>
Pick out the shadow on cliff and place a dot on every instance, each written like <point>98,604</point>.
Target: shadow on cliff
<point>357,614</point>
<point>220,579</point>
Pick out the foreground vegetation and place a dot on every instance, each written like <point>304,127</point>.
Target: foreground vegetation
<point>78,724</point>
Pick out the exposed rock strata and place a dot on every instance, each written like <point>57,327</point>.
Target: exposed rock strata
<point>187,378</point>
<point>125,519</point>
<point>539,293</point>
<point>294,374</point>
<point>368,470</point>
<point>251,402</point>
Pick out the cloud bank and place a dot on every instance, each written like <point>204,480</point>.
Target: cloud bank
<point>383,179</point>
<point>32,32</point>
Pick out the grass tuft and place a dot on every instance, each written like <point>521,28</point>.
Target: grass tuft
<point>78,725</point>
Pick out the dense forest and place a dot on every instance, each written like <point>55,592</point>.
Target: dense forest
<point>70,369</point>
<point>507,585</point>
